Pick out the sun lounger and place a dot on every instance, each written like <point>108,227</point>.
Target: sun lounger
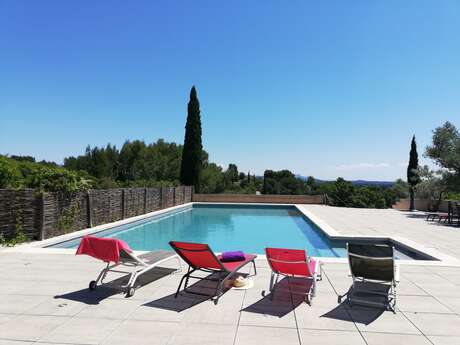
<point>450,216</point>
<point>434,215</point>
<point>200,257</point>
<point>293,263</point>
<point>374,273</point>
<point>115,252</point>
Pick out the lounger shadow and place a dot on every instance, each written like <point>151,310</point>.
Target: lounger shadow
<point>113,287</point>
<point>289,295</point>
<point>184,301</point>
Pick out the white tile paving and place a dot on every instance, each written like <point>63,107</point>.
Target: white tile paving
<point>45,300</point>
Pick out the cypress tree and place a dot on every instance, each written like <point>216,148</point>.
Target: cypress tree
<point>192,154</point>
<point>413,177</point>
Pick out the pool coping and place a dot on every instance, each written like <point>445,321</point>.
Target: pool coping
<point>441,259</point>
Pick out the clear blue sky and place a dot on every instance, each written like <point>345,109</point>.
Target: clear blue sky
<point>323,88</point>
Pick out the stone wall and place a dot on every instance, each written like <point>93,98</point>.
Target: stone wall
<point>253,198</point>
<point>422,205</point>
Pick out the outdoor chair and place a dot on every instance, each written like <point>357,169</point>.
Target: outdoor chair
<point>457,206</point>
<point>115,252</point>
<point>436,215</point>
<point>293,263</point>
<point>450,216</point>
<point>200,257</point>
<point>374,273</point>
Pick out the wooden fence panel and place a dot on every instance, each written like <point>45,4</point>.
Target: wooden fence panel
<point>19,210</point>
<point>153,199</point>
<point>134,201</point>
<point>63,213</point>
<point>167,197</point>
<point>106,205</point>
<point>179,195</point>
<point>188,194</point>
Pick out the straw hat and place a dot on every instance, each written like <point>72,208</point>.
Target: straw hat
<point>242,283</point>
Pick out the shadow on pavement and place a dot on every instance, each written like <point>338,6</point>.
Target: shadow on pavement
<point>287,295</point>
<point>114,287</point>
<point>199,292</point>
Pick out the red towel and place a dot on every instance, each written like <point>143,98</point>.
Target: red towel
<point>105,249</point>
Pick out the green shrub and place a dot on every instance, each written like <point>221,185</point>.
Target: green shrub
<point>42,177</point>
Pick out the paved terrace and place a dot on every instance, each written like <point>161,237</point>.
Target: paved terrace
<point>45,300</point>
<point>388,223</point>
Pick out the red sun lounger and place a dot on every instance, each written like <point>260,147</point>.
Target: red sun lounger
<point>112,250</point>
<point>293,263</point>
<point>200,257</point>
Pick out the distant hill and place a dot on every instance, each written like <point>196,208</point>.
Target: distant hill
<point>372,183</point>
<point>355,182</point>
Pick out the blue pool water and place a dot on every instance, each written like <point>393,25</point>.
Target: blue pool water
<point>249,228</point>
<point>227,227</point>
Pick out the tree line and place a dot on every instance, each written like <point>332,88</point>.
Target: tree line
<point>162,163</point>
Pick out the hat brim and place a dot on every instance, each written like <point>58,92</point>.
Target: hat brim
<point>249,284</point>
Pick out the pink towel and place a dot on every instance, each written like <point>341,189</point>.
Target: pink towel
<point>105,249</point>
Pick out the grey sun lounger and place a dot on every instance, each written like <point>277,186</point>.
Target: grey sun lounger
<point>116,253</point>
<point>142,264</point>
<point>433,215</point>
<point>374,273</point>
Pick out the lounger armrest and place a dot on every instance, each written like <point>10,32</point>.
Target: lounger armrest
<point>396,273</point>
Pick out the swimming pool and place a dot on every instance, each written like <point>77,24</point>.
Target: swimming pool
<point>249,228</point>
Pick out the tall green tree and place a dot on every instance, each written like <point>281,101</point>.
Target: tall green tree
<point>282,182</point>
<point>136,163</point>
<point>232,173</point>
<point>192,152</point>
<point>445,151</point>
<point>413,176</point>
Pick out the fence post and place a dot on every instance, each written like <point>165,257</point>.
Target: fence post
<point>122,203</point>
<point>161,198</point>
<point>89,209</point>
<point>42,219</point>
<point>145,200</point>
<point>449,212</point>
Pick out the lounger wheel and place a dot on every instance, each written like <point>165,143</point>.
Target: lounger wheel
<point>92,285</point>
<point>130,292</point>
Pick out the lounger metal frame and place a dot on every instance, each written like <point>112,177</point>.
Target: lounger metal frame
<point>131,260</point>
<point>391,295</point>
<point>223,273</point>
<point>433,215</point>
<point>314,277</point>
<point>449,217</point>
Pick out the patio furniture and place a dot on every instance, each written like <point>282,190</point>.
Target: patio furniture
<point>117,252</point>
<point>374,273</point>
<point>293,263</point>
<point>454,212</point>
<point>200,257</point>
<point>457,206</point>
<point>433,215</point>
